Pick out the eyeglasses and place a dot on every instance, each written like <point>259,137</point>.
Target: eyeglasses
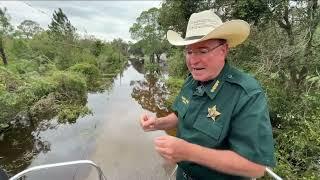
<point>200,51</point>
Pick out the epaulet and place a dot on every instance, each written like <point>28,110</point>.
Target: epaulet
<point>248,83</point>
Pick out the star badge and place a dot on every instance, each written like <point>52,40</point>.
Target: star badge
<point>213,113</point>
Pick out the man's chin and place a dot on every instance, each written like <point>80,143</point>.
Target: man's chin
<point>199,78</point>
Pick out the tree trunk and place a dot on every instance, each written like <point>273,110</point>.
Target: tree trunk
<point>158,58</point>
<point>3,56</point>
<point>152,58</point>
<point>2,53</point>
<point>314,17</point>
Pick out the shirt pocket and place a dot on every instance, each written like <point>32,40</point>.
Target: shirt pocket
<point>181,105</point>
<point>182,109</point>
<point>209,131</point>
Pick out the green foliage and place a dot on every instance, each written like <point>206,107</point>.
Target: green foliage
<point>136,49</point>
<point>151,67</point>
<point>5,28</point>
<point>62,39</point>
<point>10,105</point>
<point>45,108</point>
<point>20,49</point>
<point>174,15</point>
<point>58,95</point>
<point>174,85</point>
<point>41,45</point>
<point>120,45</point>
<point>83,56</point>
<point>97,48</point>
<point>252,11</point>
<point>51,71</point>
<point>60,27</point>
<point>8,80</point>
<point>90,72</point>
<point>29,28</point>
<point>177,65</point>
<point>70,86</point>
<point>296,122</point>
<point>70,113</point>
<point>5,25</point>
<point>110,60</point>
<point>37,88</point>
<point>63,57</point>
<point>24,66</point>
<point>150,34</point>
<point>17,95</point>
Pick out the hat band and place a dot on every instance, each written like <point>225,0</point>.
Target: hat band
<point>193,37</point>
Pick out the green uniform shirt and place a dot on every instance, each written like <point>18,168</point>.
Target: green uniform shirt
<point>229,112</point>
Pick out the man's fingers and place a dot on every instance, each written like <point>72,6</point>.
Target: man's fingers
<point>161,138</point>
<point>143,117</point>
<point>147,122</point>
<point>163,152</point>
<point>149,128</point>
<point>160,142</point>
<point>165,156</point>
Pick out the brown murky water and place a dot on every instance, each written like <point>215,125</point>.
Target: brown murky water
<point>111,136</point>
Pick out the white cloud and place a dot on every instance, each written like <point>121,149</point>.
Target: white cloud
<point>104,19</point>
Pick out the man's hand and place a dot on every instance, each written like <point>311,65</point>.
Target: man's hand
<point>147,122</point>
<point>172,149</point>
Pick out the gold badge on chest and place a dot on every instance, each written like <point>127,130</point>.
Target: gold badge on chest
<point>213,112</point>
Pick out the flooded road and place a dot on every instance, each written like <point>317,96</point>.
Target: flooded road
<point>123,150</point>
<point>110,136</point>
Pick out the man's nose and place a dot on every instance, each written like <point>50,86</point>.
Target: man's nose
<point>193,59</point>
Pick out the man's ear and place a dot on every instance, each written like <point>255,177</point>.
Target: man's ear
<point>225,49</point>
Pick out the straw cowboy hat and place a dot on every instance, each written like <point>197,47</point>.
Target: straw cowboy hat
<point>207,25</point>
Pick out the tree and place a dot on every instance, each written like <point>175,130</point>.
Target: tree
<point>136,49</point>
<point>63,36</point>
<point>5,28</point>
<point>150,33</point>
<point>299,20</point>
<point>97,48</point>
<point>60,27</point>
<point>174,15</point>
<point>121,44</point>
<point>29,28</point>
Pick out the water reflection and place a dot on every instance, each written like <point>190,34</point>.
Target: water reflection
<point>137,65</point>
<point>48,141</point>
<point>32,137</point>
<point>150,94</point>
<point>18,147</point>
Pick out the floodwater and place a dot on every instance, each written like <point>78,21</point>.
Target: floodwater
<point>110,136</point>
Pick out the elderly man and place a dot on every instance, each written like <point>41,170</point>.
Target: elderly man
<point>221,114</point>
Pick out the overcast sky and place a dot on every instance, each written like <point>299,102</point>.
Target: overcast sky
<point>103,19</point>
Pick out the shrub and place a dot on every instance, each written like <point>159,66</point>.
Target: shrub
<point>70,113</point>
<point>9,106</point>
<point>70,86</point>
<point>90,72</point>
<point>174,85</point>
<point>45,108</point>
<point>9,80</point>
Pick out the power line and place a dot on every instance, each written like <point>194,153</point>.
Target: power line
<point>41,11</point>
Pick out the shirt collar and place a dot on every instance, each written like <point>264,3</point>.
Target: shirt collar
<point>213,86</point>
